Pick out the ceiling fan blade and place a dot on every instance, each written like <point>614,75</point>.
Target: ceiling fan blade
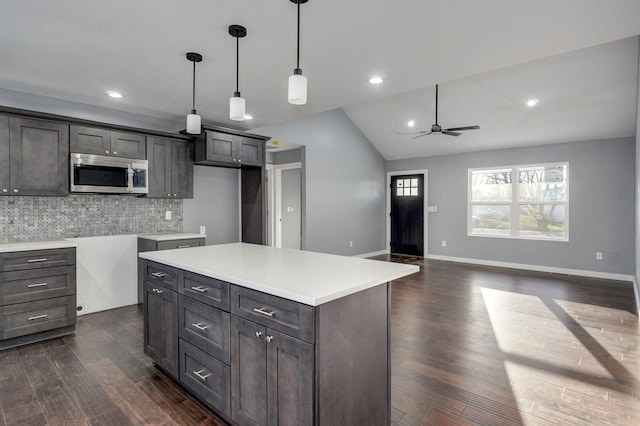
<point>419,136</point>
<point>464,128</point>
<point>446,132</point>
<point>411,133</point>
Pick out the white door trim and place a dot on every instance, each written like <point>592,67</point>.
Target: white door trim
<point>277,192</point>
<point>423,172</point>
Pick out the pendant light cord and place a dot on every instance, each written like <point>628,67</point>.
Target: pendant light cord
<point>237,64</point>
<point>436,104</point>
<point>194,88</point>
<point>298,50</point>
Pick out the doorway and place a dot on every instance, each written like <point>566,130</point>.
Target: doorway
<point>407,205</point>
<point>285,190</point>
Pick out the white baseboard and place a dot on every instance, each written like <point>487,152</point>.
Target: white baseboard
<point>375,253</point>
<point>527,267</point>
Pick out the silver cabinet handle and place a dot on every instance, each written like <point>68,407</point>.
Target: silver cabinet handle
<point>168,195</point>
<point>159,274</point>
<point>200,327</point>
<point>269,339</point>
<point>258,334</point>
<point>199,289</point>
<point>15,191</point>
<point>187,246</point>
<point>106,152</point>
<point>36,285</point>
<point>42,259</point>
<point>5,190</point>
<point>199,374</point>
<point>155,290</point>
<point>115,153</point>
<point>175,195</point>
<point>263,312</point>
<point>37,317</point>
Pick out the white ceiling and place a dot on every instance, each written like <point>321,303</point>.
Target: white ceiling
<point>77,50</point>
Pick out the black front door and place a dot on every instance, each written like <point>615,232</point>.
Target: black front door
<point>407,215</point>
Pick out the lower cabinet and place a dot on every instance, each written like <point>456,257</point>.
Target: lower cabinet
<point>161,326</point>
<point>272,376</point>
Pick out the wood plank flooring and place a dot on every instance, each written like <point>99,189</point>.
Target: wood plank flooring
<point>471,345</point>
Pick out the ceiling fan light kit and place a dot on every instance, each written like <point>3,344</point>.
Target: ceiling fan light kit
<point>237,102</point>
<point>194,122</point>
<point>297,94</point>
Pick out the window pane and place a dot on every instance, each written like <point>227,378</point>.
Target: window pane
<point>407,191</point>
<point>407,183</point>
<point>490,219</point>
<point>399,183</point>
<point>491,185</point>
<point>414,183</point>
<point>542,220</point>
<point>400,192</point>
<point>543,183</point>
<point>414,191</point>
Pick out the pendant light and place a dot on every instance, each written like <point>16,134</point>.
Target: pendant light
<point>298,82</point>
<point>236,102</point>
<point>193,120</point>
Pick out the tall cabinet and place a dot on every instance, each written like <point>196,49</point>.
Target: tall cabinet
<point>218,146</point>
<point>170,167</point>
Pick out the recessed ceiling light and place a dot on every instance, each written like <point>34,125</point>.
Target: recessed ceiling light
<point>248,117</point>
<point>411,123</point>
<point>532,102</point>
<point>114,94</point>
<point>376,80</point>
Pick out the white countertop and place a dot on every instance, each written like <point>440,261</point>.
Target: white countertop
<point>168,237</point>
<point>302,276</point>
<point>35,245</point>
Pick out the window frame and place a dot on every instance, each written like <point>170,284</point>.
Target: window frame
<point>516,202</point>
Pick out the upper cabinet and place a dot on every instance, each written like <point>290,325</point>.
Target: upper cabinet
<point>97,141</point>
<point>170,168</point>
<point>34,157</point>
<point>217,148</point>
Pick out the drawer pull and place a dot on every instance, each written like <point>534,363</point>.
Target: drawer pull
<point>156,291</point>
<point>159,274</point>
<point>258,334</point>
<point>269,339</point>
<point>37,285</point>
<point>200,327</point>
<point>42,259</point>
<point>199,374</point>
<point>187,246</point>
<point>263,312</point>
<point>199,289</point>
<point>37,317</point>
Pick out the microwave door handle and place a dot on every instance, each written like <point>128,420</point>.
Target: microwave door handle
<point>130,180</point>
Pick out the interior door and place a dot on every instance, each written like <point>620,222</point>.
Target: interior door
<point>407,215</point>
<point>290,219</point>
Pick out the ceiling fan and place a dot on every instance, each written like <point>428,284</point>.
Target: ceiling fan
<point>436,128</point>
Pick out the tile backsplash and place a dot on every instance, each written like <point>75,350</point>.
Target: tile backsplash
<point>54,218</point>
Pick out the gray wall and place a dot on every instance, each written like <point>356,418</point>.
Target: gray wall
<point>344,183</point>
<point>637,233</point>
<point>283,157</point>
<point>215,204</point>
<point>601,177</point>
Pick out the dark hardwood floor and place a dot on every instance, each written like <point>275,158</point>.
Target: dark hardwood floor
<point>471,345</point>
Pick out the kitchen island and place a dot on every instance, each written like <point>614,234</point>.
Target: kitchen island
<point>273,336</point>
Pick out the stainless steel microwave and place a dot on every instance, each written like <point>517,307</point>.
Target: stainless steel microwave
<point>109,175</point>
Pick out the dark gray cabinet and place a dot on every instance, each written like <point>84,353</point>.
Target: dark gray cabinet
<point>170,168</point>
<point>229,150</point>
<point>37,295</point>
<point>34,157</point>
<point>161,326</point>
<point>101,141</point>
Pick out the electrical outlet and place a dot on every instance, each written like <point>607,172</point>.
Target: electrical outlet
<point>444,243</point>
<point>167,215</point>
<point>598,255</point>
<point>203,230</point>
<point>81,307</point>
<point>350,243</point>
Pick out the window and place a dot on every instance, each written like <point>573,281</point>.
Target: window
<point>407,187</point>
<point>535,206</point>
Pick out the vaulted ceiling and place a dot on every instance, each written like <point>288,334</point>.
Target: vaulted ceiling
<point>488,57</point>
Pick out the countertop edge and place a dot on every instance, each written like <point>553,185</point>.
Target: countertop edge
<point>36,245</point>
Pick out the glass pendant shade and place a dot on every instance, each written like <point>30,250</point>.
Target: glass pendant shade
<point>236,107</point>
<point>193,123</point>
<point>297,89</point>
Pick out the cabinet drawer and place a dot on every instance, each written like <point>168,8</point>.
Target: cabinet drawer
<point>289,317</point>
<point>33,317</point>
<point>175,244</point>
<point>21,260</point>
<point>36,284</point>
<point>205,327</point>
<point>206,377</point>
<point>160,274</point>
<point>205,289</point>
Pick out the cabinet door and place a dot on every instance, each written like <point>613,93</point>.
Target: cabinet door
<point>90,140</point>
<point>161,326</point>
<point>5,170</point>
<point>250,152</point>
<point>39,157</point>
<point>248,373</point>
<point>159,157</point>
<point>289,380</point>
<point>182,169</point>
<point>220,148</point>
<point>129,145</point>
